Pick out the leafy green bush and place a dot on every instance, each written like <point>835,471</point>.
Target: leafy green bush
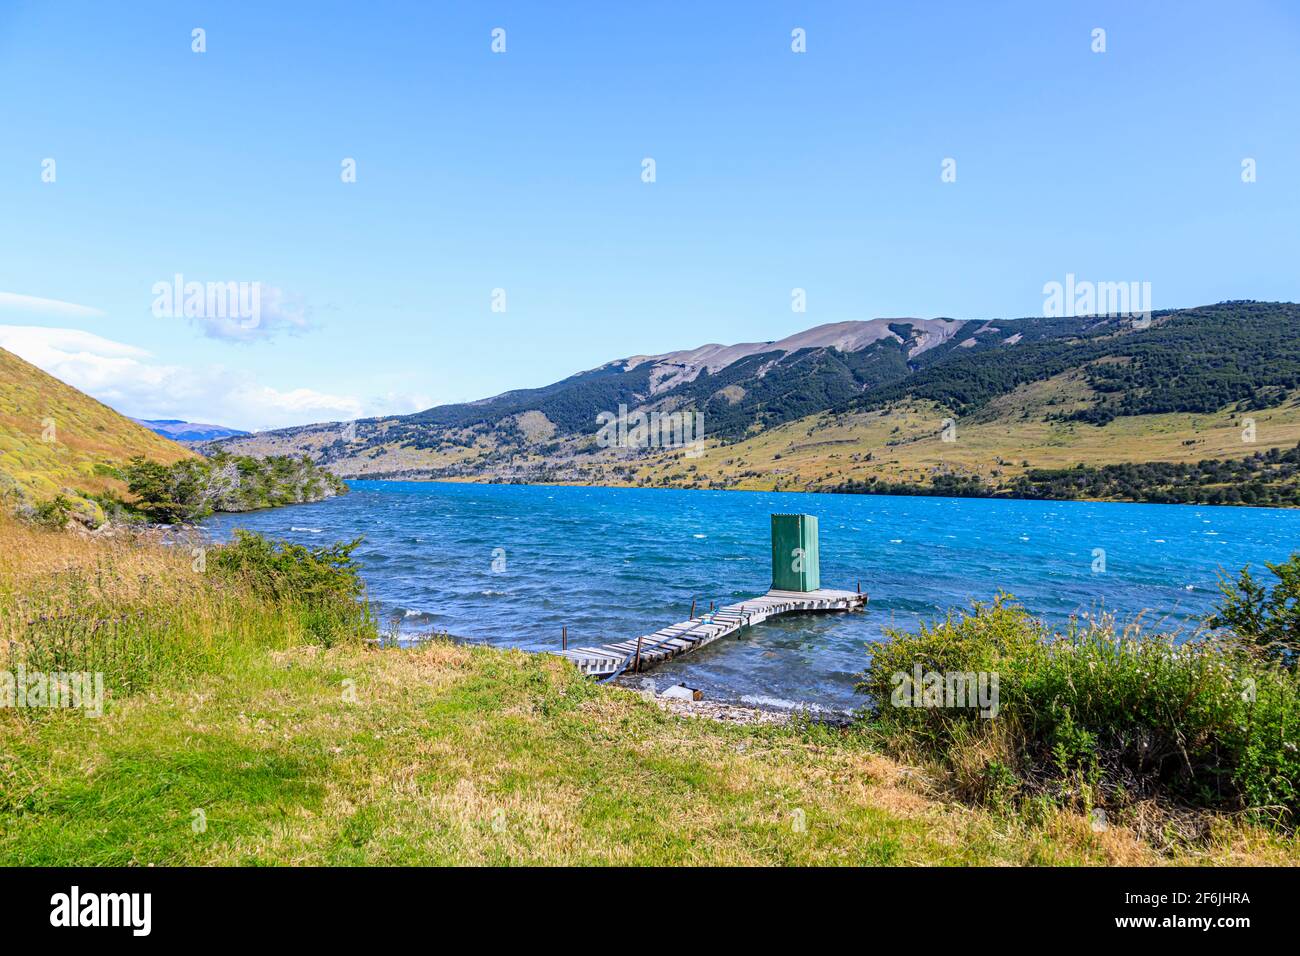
<point>325,582</point>
<point>194,488</point>
<point>55,512</point>
<point>115,509</point>
<point>1267,619</point>
<point>169,493</point>
<point>1098,716</point>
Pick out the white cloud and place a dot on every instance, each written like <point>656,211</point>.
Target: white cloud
<point>38,344</point>
<point>13,302</point>
<point>401,403</point>
<point>128,379</point>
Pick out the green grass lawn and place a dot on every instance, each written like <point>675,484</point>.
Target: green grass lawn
<point>458,755</point>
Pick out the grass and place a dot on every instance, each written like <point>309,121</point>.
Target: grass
<point>905,444</point>
<point>263,746</point>
<point>55,439</point>
<point>142,613</point>
<point>1138,724</point>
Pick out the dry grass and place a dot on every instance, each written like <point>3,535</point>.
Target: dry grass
<point>140,612</point>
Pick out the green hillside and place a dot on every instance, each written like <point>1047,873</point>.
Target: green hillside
<point>57,440</point>
<point>1029,407</point>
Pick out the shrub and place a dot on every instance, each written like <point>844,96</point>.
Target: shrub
<point>1098,716</point>
<point>168,493</point>
<point>115,509</point>
<point>139,612</point>
<point>324,581</point>
<point>1269,620</point>
<point>55,512</point>
<point>192,489</point>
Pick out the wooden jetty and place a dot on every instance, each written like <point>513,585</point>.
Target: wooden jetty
<point>641,653</point>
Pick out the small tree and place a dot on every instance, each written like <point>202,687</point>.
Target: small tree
<point>55,512</point>
<point>169,494</point>
<point>1268,619</point>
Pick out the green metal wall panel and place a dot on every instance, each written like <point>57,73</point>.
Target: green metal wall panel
<point>796,562</point>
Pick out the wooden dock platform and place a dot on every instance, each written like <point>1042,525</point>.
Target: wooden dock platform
<point>642,653</point>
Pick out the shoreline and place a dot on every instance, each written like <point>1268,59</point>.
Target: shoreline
<point>719,709</point>
<point>830,491</point>
<point>728,711</point>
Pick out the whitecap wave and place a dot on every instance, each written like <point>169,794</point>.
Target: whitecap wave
<point>780,703</point>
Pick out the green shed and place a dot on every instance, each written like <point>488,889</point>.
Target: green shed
<point>796,564</point>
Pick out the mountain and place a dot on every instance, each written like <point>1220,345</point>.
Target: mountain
<point>55,439</point>
<point>908,401</point>
<point>178,430</point>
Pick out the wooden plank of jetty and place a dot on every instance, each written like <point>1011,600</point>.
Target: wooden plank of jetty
<point>617,657</point>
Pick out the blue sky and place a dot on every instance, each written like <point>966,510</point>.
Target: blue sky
<point>522,171</point>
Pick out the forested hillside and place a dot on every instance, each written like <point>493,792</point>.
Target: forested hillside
<point>1193,360</point>
<point>967,406</point>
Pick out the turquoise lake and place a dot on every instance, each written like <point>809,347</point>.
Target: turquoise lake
<point>510,565</point>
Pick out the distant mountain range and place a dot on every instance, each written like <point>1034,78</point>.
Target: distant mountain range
<point>901,400</point>
<point>178,430</point>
